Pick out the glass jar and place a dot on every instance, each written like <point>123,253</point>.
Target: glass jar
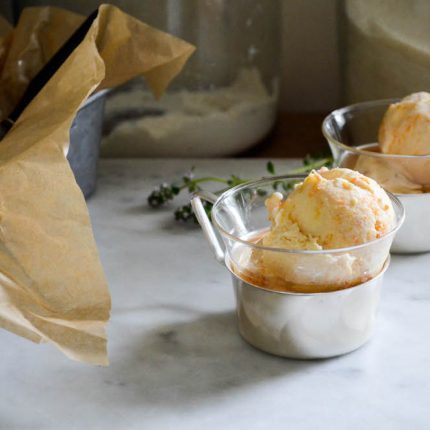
<point>224,101</point>
<point>386,50</point>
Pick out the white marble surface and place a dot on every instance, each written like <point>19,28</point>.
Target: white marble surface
<point>177,361</point>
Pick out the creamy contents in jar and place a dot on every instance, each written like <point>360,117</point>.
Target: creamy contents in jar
<point>205,122</point>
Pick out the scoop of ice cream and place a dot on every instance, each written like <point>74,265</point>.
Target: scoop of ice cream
<point>285,232</point>
<point>330,209</point>
<point>390,174</point>
<point>405,128</point>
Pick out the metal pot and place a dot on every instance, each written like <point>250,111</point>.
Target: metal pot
<point>85,138</point>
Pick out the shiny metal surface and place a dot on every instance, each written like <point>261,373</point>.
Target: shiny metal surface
<point>307,326</point>
<point>85,138</point>
<point>414,234</point>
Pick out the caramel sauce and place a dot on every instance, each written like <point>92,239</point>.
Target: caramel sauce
<point>350,160</point>
<point>257,277</point>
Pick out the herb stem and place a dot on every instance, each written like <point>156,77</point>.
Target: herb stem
<point>305,169</point>
<point>210,179</point>
<point>167,192</point>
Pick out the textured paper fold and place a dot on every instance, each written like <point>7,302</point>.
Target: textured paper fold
<point>52,285</point>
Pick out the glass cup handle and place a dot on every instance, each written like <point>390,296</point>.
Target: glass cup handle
<point>206,224</point>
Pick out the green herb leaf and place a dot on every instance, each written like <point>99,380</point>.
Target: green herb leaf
<point>270,167</point>
<point>261,192</point>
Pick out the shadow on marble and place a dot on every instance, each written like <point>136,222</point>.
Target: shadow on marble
<point>140,209</point>
<point>177,309</point>
<point>9,425</point>
<point>196,361</point>
<point>166,214</point>
<point>179,227</point>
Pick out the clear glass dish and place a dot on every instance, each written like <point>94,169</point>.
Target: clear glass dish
<point>240,216</point>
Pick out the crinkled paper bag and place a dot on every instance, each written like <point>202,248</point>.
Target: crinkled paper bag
<point>52,285</point>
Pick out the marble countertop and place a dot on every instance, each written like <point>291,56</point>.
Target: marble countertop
<point>177,361</point>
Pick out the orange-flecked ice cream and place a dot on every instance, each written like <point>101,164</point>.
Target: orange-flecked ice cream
<point>330,209</point>
<point>405,128</point>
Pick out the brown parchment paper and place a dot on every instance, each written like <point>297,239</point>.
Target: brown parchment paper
<point>52,286</point>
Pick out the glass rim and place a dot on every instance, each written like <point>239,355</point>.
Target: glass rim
<point>397,205</point>
<point>325,128</point>
<point>309,294</point>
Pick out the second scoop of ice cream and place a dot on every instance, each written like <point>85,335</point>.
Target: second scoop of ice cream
<point>405,128</point>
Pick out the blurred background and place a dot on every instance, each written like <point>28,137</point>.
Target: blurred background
<point>265,72</point>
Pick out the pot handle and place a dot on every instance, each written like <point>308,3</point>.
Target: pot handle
<point>206,224</point>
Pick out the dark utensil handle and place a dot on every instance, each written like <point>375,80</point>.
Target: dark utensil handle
<point>47,71</point>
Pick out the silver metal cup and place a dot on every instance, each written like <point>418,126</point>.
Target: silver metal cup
<point>307,326</point>
<point>414,236</point>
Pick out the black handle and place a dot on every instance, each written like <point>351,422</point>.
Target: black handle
<point>47,71</point>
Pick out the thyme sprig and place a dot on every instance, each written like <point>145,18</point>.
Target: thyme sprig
<point>166,192</point>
